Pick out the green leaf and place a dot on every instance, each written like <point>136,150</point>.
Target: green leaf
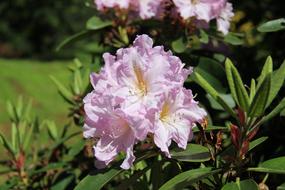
<point>179,46</point>
<point>187,178</point>
<point>256,142</point>
<point>52,129</point>
<point>208,88</point>
<point>7,145</point>
<point>215,105</point>
<point>204,37</point>
<point>64,92</point>
<point>98,180</point>
<point>28,138</point>
<point>211,128</point>
<point>236,85</point>
<point>233,39</point>
<point>248,184</point>
<point>252,90</point>
<point>63,184</point>
<point>272,26</point>
<point>96,23</point>
<point>267,68</point>
<point>275,111</point>
<point>275,165</point>
<point>51,166</point>
<point>281,187</point>
<point>192,153</point>
<point>277,82</point>
<point>72,39</point>
<point>131,180</point>
<point>258,105</point>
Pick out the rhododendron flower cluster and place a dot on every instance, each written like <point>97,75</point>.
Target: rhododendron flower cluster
<point>200,10</point>
<point>138,92</point>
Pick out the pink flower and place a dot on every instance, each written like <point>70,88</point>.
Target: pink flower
<point>102,4</point>
<point>177,115</point>
<point>200,9</point>
<point>223,20</point>
<point>133,87</point>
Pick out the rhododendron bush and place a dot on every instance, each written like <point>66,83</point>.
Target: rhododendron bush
<point>157,104</point>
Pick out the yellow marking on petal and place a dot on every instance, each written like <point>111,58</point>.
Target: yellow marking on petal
<point>195,2</point>
<point>165,111</point>
<point>141,84</point>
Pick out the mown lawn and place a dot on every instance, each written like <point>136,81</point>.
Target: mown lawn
<point>30,79</point>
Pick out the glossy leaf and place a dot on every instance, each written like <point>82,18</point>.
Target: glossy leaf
<point>226,97</point>
<point>96,23</point>
<point>241,185</point>
<point>275,165</point>
<point>267,68</point>
<point>187,178</point>
<point>258,105</point>
<point>192,153</point>
<point>272,26</point>
<point>98,179</point>
<point>204,37</point>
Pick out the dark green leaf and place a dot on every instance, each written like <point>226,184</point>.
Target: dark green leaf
<point>272,26</point>
<point>211,128</point>
<point>51,166</point>
<point>63,184</point>
<point>72,39</point>
<point>258,105</point>
<point>228,99</point>
<point>192,153</point>
<point>275,111</point>
<point>209,89</point>
<point>98,179</point>
<point>275,165</point>
<point>96,23</point>
<point>248,184</point>
<point>256,142</point>
<point>187,178</point>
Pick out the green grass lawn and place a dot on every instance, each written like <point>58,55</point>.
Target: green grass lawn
<point>30,79</point>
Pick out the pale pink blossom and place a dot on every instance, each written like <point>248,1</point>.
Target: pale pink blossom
<point>177,114</point>
<point>223,20</point>
<point>102,4</point>
<point>132,89</point>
